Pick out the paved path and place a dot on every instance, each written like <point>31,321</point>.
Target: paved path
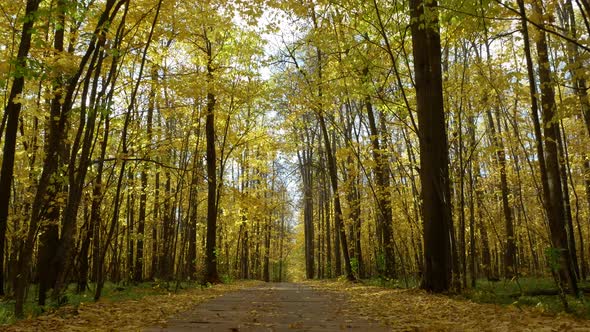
<point>272,307</point>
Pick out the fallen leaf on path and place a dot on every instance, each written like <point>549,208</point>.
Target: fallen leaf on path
<point>127,315</point>
<point>417,310</point>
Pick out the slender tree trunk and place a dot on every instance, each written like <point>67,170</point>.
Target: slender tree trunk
<point>138,274</point>
<point>357,232</point>
<point>328,236</point>
<point>266,260</point>
<point>471,175</point>
<point>305,168</point>
<point>462,240</point>
<point>76,175</point>
<point>155,271</point>
<point>93,229</point>
<point>321,248</point>
<point>281,244</point>
<point>554,195</point>
<point>211,250</point>
<point>510,247</point>
<point>384,213</point>
<point>244,244</point>
<point>12,114</point>
<point>113,229</point>
<point>569,225</point>
<point>580,89</point>
<point>341,232</point>
<point>194,216</point>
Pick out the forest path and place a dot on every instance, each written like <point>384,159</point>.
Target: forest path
<point>273,307</point>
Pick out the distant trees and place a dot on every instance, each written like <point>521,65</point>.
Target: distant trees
<point>469,75</point>
<point>103,174</point>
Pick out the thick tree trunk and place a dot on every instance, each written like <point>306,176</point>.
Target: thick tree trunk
<point>434,159</point>
<point>49,212</point>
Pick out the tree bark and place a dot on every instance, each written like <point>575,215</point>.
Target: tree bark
<point>434,159</point>
<point>211,251</point>
<point>77,175</point>
<point>306,176</point>
<point>554,195</point>
<point>341,232</point>
<point>139,258</point>
<point>384,214</point>
<point>12,113</point>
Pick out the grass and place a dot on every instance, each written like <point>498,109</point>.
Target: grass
<point>513,292</point>
<point>409,282</point>
<point>111,292</point>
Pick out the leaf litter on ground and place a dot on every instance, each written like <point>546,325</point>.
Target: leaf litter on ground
<point>124,315</point>
<point>418,310</point>
<point>400,309</point>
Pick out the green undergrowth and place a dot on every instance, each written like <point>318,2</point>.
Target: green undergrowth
<point>112,292</point>
<point>526,292</point>
<point>409,282</point>
<point>516,292</point>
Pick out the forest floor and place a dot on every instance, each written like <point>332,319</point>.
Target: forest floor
<point>306,306</point>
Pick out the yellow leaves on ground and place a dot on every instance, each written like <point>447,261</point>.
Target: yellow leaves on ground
<point>417,310</point>
<point>127,315</point>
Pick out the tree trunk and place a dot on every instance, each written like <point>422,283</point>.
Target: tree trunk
<point>266,261</point>
<point>12,114</point>
<point>139,258</point>
<point>154,269</point>
<point>211,249</point>
<point>554,195</point>
<point>471,177</point>
<point>77,173</point>
<point>341,232</point>
<point>384,212</point>
<point>305,168</point>
<point>579,83</point>
<point>434,159</point>
<point>326,208</point>
<point>49,183</point>
<point>510,248</point>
